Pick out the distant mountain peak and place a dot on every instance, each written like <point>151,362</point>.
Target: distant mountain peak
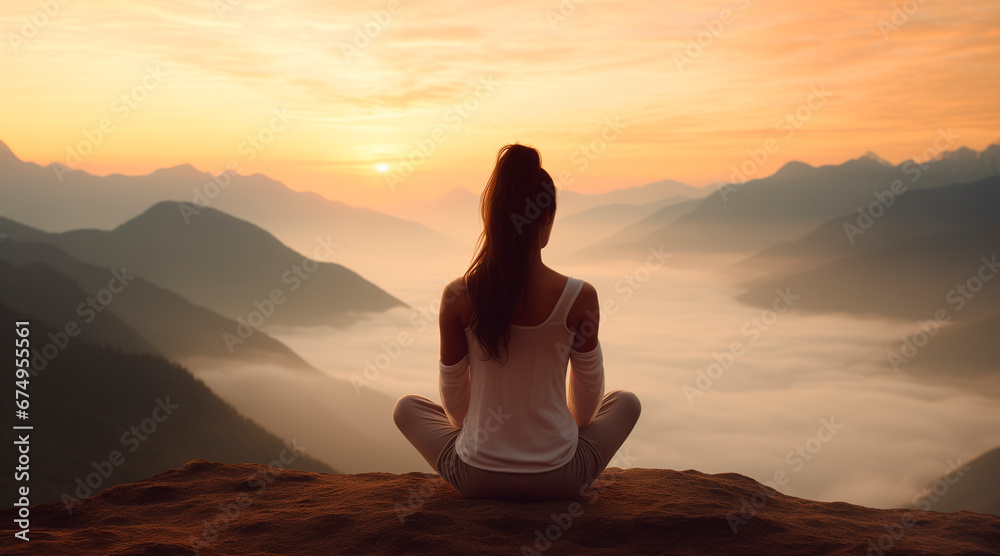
<point>793,167</point>
<point>7,156</point>
<point>661,184</point>
<point>872,156</point>
<point>167,211</point>
<point>961,153</point>
<point>167,217</point>
<point>458,194</point>
<point>181,170</point>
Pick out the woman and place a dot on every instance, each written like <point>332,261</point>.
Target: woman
<point>508,428</point>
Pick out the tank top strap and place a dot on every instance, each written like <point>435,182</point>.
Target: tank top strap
<point>566,300</point>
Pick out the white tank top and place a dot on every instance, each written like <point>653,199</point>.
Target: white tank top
<point>518,419</point>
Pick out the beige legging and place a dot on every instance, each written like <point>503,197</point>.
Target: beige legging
<point>425,425</point>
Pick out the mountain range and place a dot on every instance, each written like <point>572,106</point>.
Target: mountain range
<point>921,213</point>
<point>973,486</point>
<point>751,216</point>
<point>103,417</point>
<point>194,285</point>
<point>908,263</point>
<point>56,199</point>
<point>581,219</point>
<point>261,377</point>
<point>41,279</point>
<point>223,263</point>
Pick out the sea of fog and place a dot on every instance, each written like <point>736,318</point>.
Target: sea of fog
<point>804,402</point>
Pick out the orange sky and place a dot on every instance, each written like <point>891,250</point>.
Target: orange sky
<point>363,83</point>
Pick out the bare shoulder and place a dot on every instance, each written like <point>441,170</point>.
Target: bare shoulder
<point>583,318</point>
<point>455,298</point>
<point>585,306</point>
<point>456,286</point>
<point>588,295</point>
<point>586,302</point>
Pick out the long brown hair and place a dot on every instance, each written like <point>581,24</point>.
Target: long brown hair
<point>519,200</point>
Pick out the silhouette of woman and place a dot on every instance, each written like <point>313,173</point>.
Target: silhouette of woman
<point>508,427</point>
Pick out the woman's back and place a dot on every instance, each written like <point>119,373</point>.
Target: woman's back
<point>518,419</point>
<point>543,288</point>
<point>539,297</point>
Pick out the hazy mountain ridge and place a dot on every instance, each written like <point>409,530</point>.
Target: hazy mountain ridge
<point>225,264</point>
<point>37,289</point>
<point>925,252</point>
<point>89,401</point>
<point>966,349</point>
<point>351,430</point>
<point>571,202</point>
<point>456,213</point>
<point>57,199</point>
<point>914,214</point>
<point>911,279</point>
<point>627,235</point>
<point>44,280</point>
<point>972,486</point>
<point>929,256</point>
<point>748,217</point>
<point>572,234</point>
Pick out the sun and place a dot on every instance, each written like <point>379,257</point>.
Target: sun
<point>382,167</point>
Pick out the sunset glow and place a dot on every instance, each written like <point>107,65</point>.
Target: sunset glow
<point>613,94</point>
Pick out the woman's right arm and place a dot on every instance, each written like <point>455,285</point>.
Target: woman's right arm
<point>586,381</point>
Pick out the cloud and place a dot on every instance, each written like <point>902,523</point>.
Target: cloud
<point>558,78</point>
<point>898,432</point>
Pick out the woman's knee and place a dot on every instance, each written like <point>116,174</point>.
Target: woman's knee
<point>402,412</point>
<point>628,402</point>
